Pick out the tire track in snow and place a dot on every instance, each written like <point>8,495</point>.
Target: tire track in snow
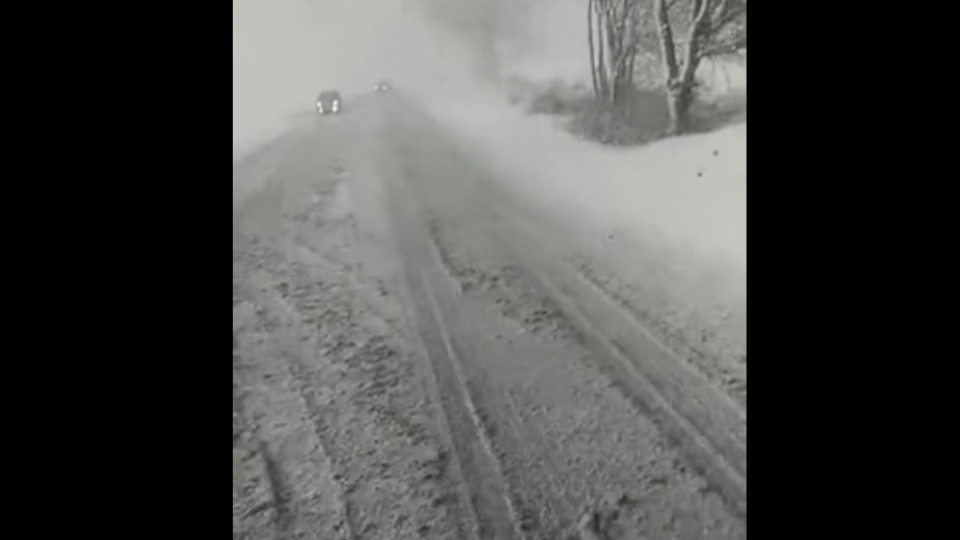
<point>705,424</point>
<point>478,467</point>
<point>663,394</point>
<point>305,496</point>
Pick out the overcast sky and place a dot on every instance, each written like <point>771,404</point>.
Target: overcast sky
<point>286,51</point>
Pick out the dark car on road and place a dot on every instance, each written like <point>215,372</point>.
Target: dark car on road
<point>382,86</point>
<point>329,102</point>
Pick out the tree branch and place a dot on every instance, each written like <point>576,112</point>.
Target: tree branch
<point>593,58</point>
<point>721,9</point>
<point>700,7</point>
<point>729,47</point>
<point>621,37</point>
<point>730,16</point>
<point>668,49</point>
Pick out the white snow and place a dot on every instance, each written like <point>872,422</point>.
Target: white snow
<point>690,191</point>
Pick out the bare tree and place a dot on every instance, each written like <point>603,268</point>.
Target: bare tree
<point>710,28</point>
<point>614,31</point>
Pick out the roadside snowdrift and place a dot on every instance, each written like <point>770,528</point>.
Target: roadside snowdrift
<point>688,191</point>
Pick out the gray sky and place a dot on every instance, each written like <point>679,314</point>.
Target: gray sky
<point>286,51</point>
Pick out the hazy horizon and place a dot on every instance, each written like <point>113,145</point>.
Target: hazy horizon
<point>285,51</point>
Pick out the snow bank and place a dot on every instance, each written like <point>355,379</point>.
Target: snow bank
<point>688,191</point>
<point>247,140</point>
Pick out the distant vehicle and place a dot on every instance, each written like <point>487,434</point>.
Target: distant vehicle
<point>328,102</point>
<point>382,86</point>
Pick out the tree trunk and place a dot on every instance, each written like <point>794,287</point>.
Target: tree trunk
<point>602,75</point>
<point>667,48</point>
<point>681,96</point>
<point>593,57</point>
<point>612,54</point>
<point>627,80</point>
<point>684,93</point>
<point>679,100</point>
<point>612,39</point>
<point>622,48</point>
<point>675,110</point>
<point>668,53</point>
